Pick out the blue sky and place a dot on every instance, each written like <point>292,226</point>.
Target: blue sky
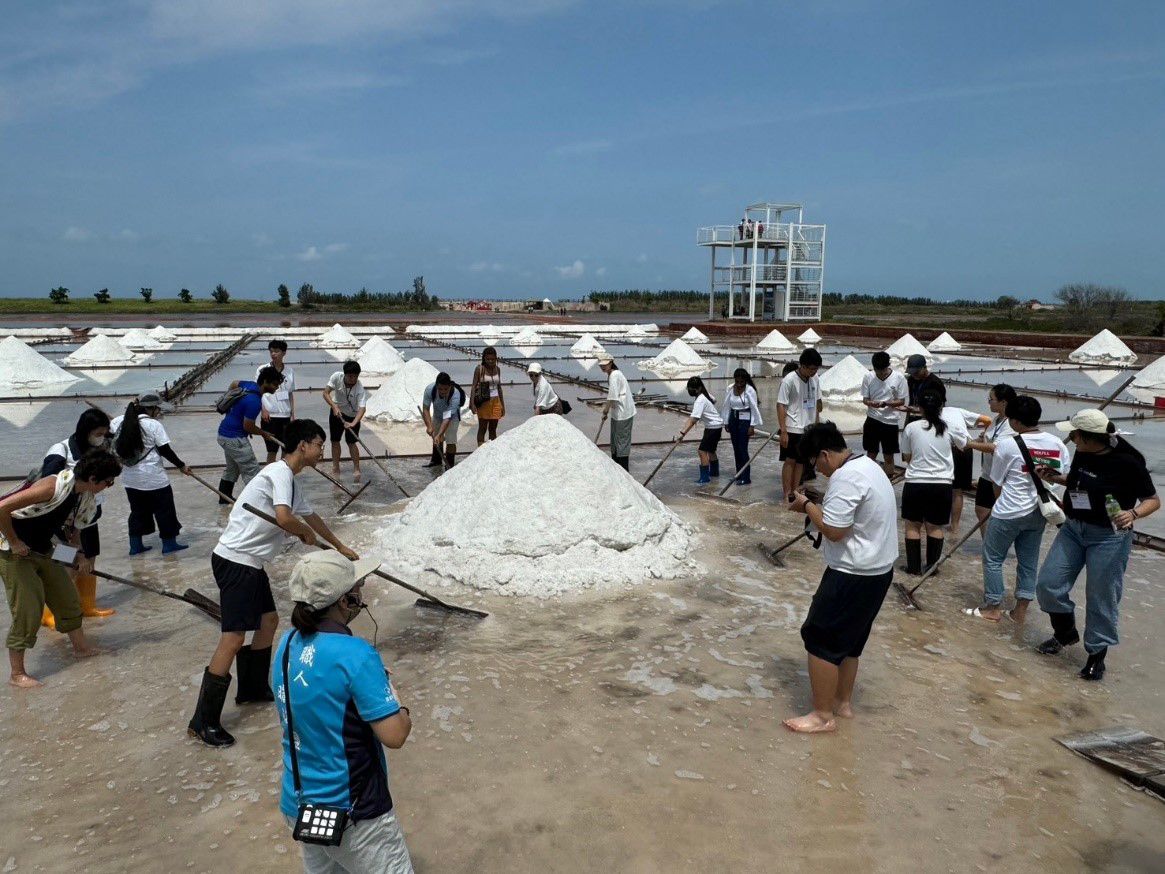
<point>550,147</point>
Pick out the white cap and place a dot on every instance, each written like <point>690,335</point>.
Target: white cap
<point>534,367</point>
<point>605,359</point>
<point>321,578</point>
<point>1092,421</point>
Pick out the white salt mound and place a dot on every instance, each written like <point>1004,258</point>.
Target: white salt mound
<point>1105,348</point>
<point>572,519</point>
<point>490,333</point>
<point>378,356</point>
<point>20,365</point>
<point>587,345</point>
<point>810,336</point>
<point>843,381</point>
<point>944,342</point>
<point>526,337</point>
<point>401,394</point>
<point>694,335</point>
<point>635,334</point>
<point>1152,376</point>
<point>163,334</point>
<point>138,338</point>
<point>775,341</point>
<point>677,358</point>
<point>905,346</point>
<point>336,337</point>
<point>102,349</point>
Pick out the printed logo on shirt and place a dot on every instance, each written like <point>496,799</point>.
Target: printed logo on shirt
<point>1047,457</point>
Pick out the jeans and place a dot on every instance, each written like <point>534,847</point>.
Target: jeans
<point>738,434</point>
<point>1026,532</point>
<point>1105,553</point>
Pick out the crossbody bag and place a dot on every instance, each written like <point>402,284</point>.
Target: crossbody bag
<point>1049,507</point>
<point>314,823</point>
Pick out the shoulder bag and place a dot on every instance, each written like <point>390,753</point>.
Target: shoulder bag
<point>480,388</point>
<point>1049,506</point>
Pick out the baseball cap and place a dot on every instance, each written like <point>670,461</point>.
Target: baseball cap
<point>153,399</point>
<point>606,359</point>
<point>534,367</point>
<point>915,363</point>
<point>1092,421</point>
<point>321,578</point>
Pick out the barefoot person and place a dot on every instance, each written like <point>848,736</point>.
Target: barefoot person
<point>279,406</point>
<point>704,411</point>
<point>1016,518</point>
<point>347,399</point>
<point>860,545</point>
<point>884,393</point>
<point>1109,488</point>
<point>57,506</point>
<point>741,414</point>
<point>246,544</point>
<point>486,399</point>
<point>620,406</point>
<point>798,407</point>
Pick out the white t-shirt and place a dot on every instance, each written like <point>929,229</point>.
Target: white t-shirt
<point>800,398</point>
<point>744,405</point>
<point>1019,496</point>
<point>860,495</point>
<point>252,541</point>
<point>704,410</point>
<point>278,403</point>
<point>619,390</point>
<point>999,431</point>
<point>350,400</point>
<point>544,396</point>
<point>148,474</point>
<point>931,459</point>
<point>892,388</point>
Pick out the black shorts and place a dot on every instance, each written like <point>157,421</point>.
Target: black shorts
<point>790,451</point>
<point>336,428</point>
<point>985,493</point>
<point>711,439</point>
<point>276,426</point>
<point>927,502</point>
<point>244,593</point>
<point>880,435</point>
<point>842,614</point>
<point>964,461</point>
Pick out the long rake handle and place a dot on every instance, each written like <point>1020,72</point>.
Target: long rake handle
<point>378,463</point>
<point>942,560</point>
<point>134,584</point>
<point>666,456</point>
<point>325,475</point>
<point>748,464</point>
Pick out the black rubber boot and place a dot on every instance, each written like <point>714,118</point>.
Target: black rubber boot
<point>1094,669</point>
<point>435,458</point>
<point>1064,634</point>
<point>206,725</point>
<point>624,461</point>
<point>715,468</point>
<point>253,667</point>
<point>450,457</point>
<point>227,488</point>
<point>934,550</point>
<point>913,556</point>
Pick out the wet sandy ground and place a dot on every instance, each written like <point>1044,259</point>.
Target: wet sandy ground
<point>635,731</point>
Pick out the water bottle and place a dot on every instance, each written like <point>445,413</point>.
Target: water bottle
<point>1112,506</point>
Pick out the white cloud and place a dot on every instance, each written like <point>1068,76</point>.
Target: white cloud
<point>311,253</point>
<point>641,258</point>
<point>335,248</point>
<point>602,271</point>
<point>483,266</point>
<point>583,148</point>
<point>298,83</point>
<point>572,271</point>
<point>77,235</point>
<point>315,253</point>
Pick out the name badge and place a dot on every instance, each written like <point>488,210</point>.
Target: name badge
<point>493,391</point>
<point>1080,500</point>
<point>745,415</point>
<point>447,415</point>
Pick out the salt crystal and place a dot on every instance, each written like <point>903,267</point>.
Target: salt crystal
<point>99,726</point>
<point>688,775</point>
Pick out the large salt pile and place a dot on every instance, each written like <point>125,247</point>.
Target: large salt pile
<point>636,334</point>
<point>678,358</point>
<point>163,334</point>
<point>775,341</point>
<point>102,349</point>
<point>378,356</point>
<point>490,334</point>
<point>573,519</point>
<point>587,346</point>
<point>401,394</point>
<point>336,337</point>
<point>526,337</point>
<point>1105,348</point>
<point>843,381</point>
<point>944,342</point>
<point>1153,376</point>
<point>21,365</point>
<point>138,339</point>
<point>904,347</point>
<point>810,337</point>
<point>694,335</point>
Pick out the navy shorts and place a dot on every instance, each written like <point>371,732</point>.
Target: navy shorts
<point>927,502</point>
<point>964,461</point>
<point>880,436</point>
<point>790,451</point>
<point>244,593</point>
<point>336,428</point>
<point>842,614</point>
<point>710,440</point>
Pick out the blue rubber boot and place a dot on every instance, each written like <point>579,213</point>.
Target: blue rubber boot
<point>715,468</point>
<point>136,547</point>
<point>704,477</point>
<point>171,544</point>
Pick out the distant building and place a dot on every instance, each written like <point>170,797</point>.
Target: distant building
<point>1039,305</point>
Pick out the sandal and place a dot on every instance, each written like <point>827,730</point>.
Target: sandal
<point>977,613</point>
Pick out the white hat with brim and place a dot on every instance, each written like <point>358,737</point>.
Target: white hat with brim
<point>605,359</point>
<point>1090,421</point>
<point>322,578</point>
<point>534,367</point>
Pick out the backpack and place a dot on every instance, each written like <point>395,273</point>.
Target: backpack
<point>230,397</point>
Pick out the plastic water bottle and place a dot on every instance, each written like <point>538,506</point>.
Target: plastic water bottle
<point>1112,506</point>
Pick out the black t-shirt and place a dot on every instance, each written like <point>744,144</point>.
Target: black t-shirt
<point>1109,473</point>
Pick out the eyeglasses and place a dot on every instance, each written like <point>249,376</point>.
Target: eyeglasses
<point>108,482</point>
<point>318,444</point>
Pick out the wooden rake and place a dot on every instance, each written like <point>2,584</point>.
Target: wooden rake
<point>719,496</point>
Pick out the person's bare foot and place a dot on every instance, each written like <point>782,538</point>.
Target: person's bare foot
<point>357,476</point>
<point>843,709</point>
<point>991,614</point>
<point>1018,613</point>
<point>335,470</point>
<point>24,681</point>
<point>87,652</point>
<point>810,723</point>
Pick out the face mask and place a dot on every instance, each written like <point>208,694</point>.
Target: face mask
<point>97,441</point>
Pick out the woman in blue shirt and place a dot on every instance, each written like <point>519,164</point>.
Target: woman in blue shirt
<point>344,710</point>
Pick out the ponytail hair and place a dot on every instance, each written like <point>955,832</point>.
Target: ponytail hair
<point>739,373</point>
<point>1117,442</point>
<point>129,442</point>
<point>931,404</point>
<point>696,387</point>
<point>306,619</point>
